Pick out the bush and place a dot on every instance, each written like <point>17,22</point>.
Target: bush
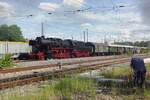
<point>6,61</point>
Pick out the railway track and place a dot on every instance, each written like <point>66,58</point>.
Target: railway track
<point>11,70</point>
<point>20,69</point>
<point>37,76</point>
<point>103,57</point>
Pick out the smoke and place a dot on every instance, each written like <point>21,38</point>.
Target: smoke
<point>144,7</point>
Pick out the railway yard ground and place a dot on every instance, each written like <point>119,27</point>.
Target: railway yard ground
<point>92,78</point>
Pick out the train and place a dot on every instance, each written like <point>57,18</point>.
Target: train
<point>48,48</point>
<point>56,48</point>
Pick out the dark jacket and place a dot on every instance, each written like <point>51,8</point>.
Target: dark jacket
<point>137,64</point>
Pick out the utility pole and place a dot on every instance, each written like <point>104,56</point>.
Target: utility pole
<point>42,29</point>
<point>72,37</point>
<point>84,35</point>
<point>105,38</point>
<point>87,33</point>
<point>81,37</point>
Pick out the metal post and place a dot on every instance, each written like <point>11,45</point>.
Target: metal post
<point>59,65</point>
<point>87,34</point>
<point>90,73</point>
<point>42,29</point>
<point>84,35</point>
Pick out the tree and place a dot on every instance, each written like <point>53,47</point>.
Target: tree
<point>137,43</point>
<point>10,33</point>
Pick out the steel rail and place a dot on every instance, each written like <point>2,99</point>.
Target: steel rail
<point>10,70</point>
<point>20,69</point>
<point>58,73</point>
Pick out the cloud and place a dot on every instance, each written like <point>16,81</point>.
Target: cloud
<point>40,18</point>
<point>86,25</point>
<point>92,16</point>
<point>48,6</point>
<point>142,29</point>
<point>101,18</point>
<point>106,28</point>
<point>6,10</point>
<point>125,33</point>
<point>74,3</point>
<point>144,6</point>
<point>128,22</point>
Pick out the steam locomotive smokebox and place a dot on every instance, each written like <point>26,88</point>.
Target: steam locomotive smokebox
<point>32,42</point>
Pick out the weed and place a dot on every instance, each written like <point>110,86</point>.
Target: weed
<point>6,61</point>
<point>75,86</point>
<point>117,72</point>
<point>67,88</point>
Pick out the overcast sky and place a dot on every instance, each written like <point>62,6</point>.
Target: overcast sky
<point>110,19</point>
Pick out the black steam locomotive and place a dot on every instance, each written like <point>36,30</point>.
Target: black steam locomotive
<point>47,48</point>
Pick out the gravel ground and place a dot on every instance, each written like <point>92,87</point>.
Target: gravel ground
<point>9,75</point>
<point>55,61</point>
<point>23,90</point>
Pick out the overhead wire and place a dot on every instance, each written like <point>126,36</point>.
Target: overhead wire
<point>116,10</point>
<point>86,9</point>
<point>78,10</point>
<point>120,21</point>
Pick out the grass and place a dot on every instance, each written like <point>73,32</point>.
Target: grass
<point>117,72</point>
<point>125,72</point>
<point>147,67</point>
<point>122,72</point>
<point>131,94</point>
<point>64,89</point>
<point>68,87</point>
<point>6,61</point>
<point>147,94</point>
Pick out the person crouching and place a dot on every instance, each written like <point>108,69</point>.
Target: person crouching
<point>139,71</point>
